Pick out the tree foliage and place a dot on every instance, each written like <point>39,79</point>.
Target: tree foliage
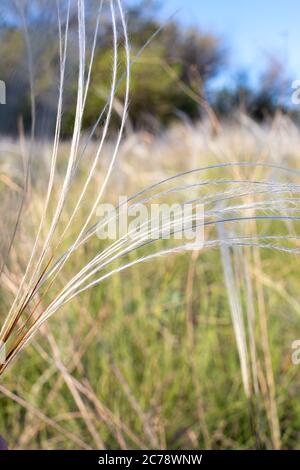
<point>170,78</point>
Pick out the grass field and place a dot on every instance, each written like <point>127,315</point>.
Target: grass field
<point>148,358</point>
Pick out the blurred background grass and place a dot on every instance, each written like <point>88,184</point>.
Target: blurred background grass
<point>148,359</point>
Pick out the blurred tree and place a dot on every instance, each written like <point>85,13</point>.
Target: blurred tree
<point>270,95</point>
<point>166,78</point>
<point>169,79</point>
<point>155,95</point>
<point>259,101</point>
<point>195,50</point>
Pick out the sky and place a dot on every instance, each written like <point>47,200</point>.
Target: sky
<point>252,29</point>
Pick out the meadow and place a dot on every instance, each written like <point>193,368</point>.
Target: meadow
<point>186,351</point>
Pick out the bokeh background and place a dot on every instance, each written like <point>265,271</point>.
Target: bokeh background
<point>149,358</point>
<point>233,57</point>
